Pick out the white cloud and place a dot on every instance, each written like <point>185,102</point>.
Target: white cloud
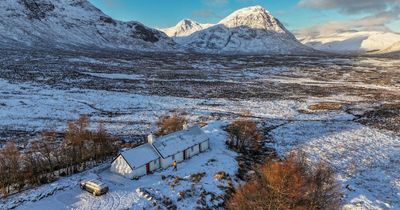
<point>372,22</point>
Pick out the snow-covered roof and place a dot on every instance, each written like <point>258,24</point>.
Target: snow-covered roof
<point>140,156</point>
<point>179,141</point>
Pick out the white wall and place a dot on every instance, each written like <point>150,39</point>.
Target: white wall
<point>142,170</point>
<point>138,172</point>
<point>154,165</point>
<point>167,162</point>
<point>120,166</point>
<point>195,151</point>
<point>204,146</point>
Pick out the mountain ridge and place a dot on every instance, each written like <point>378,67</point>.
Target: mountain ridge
<point>77,24</point>
<point>65,24</point>
<point>394,48</point>
<point>352,42</point>
<point>185,27</point>
<point>250,30</point>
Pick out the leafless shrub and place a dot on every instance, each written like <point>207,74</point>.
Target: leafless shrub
<point>289,184</point>
<point>170,123</point>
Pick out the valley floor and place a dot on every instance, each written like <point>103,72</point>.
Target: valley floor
<point>278,93</point>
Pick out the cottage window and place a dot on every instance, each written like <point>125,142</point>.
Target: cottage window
<point>192,148</point>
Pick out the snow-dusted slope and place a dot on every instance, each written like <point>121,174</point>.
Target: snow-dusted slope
<point>395,48</point>
<point>251,30</point>
<point>185,28</point>
<point>352,42</point>
<point>72,23</point>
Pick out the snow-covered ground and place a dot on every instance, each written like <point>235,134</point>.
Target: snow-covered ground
<point>129,93</point>
<point>366,159</point>
<point>32,108</point>
<point>123,192</point>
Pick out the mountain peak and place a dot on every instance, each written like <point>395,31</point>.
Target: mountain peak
<point>255,17</point>
<point>186,22</point>
<point>251,30</point>
<point>185,27</point>
<point>252,9</point>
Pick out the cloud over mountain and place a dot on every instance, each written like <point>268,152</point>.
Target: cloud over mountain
<point>371,22</point>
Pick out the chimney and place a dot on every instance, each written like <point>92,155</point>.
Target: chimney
<point>185,126</point>
<point>150,139</point>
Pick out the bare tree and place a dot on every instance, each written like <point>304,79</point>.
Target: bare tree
<point>11,165</point>
<point>76,136</point>
<point>244,135</point>
<point>46,155</point>
<point>170,123</point>
<point>34,166</point>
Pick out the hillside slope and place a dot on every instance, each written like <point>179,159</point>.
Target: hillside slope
<point>73,23</point>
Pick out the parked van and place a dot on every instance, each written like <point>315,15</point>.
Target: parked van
<point>95,187</point>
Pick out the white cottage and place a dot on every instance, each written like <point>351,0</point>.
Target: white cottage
<point>180,145</point>
<point>136,162</point>
<point>160,152</point>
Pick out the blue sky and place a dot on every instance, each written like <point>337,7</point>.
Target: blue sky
<point>295,14</point>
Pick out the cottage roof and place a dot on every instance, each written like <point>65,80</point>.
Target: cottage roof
<point>140,155</point>
<point>179,141</point>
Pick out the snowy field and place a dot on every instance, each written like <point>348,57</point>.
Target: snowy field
<point>129,95</point>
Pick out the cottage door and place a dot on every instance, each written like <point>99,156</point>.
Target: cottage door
<point>184,154</point>
<point>148,168</point>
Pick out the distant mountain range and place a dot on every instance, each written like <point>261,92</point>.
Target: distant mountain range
<point>77,24</point>
<point>394,48</point>
<point>354,42</point>
<point>251,30</point>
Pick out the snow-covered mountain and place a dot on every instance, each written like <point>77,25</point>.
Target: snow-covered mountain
<point>185,27</point>
<point>72,23</point>
<point>251,30</point>
<point>395,48</point>
<point>352,42</point>
<point>69,24</point>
